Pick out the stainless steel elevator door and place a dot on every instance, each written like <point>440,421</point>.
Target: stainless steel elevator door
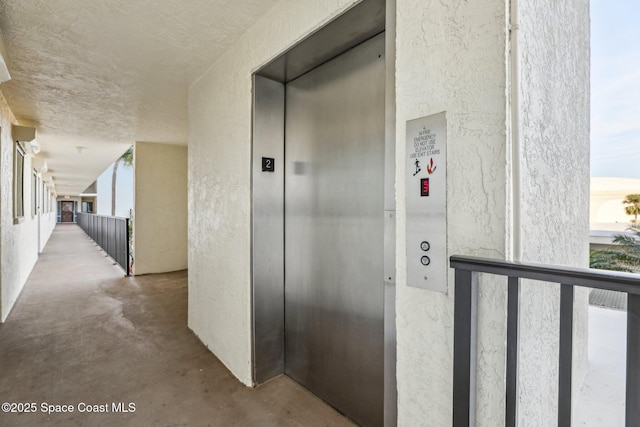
<point>334,223</point>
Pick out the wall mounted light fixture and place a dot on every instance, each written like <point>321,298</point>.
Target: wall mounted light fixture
<point>25,136</point>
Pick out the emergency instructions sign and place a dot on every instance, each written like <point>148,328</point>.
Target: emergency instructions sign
<point>426,197</point>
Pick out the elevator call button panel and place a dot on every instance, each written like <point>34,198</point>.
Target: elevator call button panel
<point>426,197</point>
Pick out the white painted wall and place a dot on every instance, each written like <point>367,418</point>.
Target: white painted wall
<point>47,224</point>
<point>48,212</point>
<point>453,57</point>
<point>160,220</point>
<point>18,242</point>
<point>555,188</point>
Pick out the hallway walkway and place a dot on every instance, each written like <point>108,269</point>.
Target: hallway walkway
<point>82,334</point>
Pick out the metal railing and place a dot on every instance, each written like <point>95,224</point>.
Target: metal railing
<point>465,328</point>
<point>111,234</point>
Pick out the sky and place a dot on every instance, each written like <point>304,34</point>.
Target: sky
<point>615,88</point>
<point>124,191</point>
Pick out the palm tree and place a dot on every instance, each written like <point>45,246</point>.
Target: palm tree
<point>624,257</point>
<point>634,209</point>
<point>127,160</point>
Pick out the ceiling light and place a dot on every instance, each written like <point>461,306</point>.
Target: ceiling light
<point>31,147</point>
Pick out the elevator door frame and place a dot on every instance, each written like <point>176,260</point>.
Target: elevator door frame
<point>356,25</point>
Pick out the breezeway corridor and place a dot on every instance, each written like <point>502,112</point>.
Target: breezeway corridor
<point>81,333</point>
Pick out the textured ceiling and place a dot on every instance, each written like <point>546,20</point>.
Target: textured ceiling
<point>105,73</point>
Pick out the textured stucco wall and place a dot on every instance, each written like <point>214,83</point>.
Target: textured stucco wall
<point>554,45</point>
<point>454,57</point>
<point>47,217</point>
<point>18,242</point>
<point>220,105</point>
<point>451,56</point>
<point>47,224</point>
<point>160,194</point>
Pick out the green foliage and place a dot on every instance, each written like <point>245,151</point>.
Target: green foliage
<point>633,208</point>
<point>623,257</point>
<point>127,160</point>
<point>127,157</point>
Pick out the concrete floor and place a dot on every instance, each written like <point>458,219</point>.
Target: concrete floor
<point>82,334</point>
<point>601,402</point>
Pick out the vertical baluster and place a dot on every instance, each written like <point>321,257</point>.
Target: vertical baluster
<point>127,261</point>
<point>633,361</point>
<point>513,328</point>
<point>463,356</point>
<point>566,355</point>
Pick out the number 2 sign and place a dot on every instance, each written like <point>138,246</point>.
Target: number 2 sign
<point>268,164</point>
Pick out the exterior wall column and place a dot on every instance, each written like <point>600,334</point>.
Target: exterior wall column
<point>160,208</point>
